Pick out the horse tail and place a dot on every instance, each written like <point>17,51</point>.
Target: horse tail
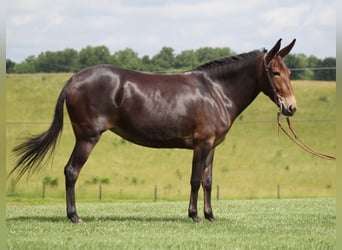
<point>31,153</point>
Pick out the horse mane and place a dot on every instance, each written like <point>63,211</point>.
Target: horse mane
<point>240,59</point>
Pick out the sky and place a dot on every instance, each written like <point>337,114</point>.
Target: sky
<point>35,26</point>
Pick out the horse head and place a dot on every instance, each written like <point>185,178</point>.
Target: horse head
<point>279,88</point>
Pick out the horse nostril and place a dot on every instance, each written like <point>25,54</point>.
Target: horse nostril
<point>292,109</point>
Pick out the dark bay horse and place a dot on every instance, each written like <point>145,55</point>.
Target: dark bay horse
<point>193,110</point>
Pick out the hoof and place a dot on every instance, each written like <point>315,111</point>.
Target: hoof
<point>211,219</point>
<point>75,219</point>
<point>79,221</point>
<point>209,216</point>
<point>196,219</point>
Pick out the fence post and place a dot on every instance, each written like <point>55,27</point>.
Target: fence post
<point>100,191</point>
<point>155,193</point>
<point>217,192</point>
<point>278,191</point>
<point>43,190</point>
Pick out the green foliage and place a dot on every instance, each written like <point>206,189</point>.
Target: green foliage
<point>328,75</point>
<point>164,59</point>
<point>52,182</point>
<point>245,224</point>
<point>28,66</point>
<point>69,60</point>
<point>60,61</point>
<point>97,180</point>
<point>127,58</point>
<point>186,59</point>
<point>311,68</point>
<point>91,56</point>
<point>10,66</point>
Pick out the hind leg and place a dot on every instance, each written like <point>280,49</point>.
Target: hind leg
<point>79,156</point>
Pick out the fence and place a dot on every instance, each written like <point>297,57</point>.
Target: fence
<point>155,192</point>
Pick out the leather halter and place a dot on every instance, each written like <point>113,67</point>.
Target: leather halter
<point>274,89</point>
<point>294,138</point>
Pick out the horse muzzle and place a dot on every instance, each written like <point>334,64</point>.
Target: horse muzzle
<point>287,105</point>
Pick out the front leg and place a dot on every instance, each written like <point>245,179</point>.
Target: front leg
<point>200,158</point>
<point>207,186</point>
<point>192,212</point>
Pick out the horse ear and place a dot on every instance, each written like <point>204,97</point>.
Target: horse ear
<point>284,51</point>
<point>270,54</point>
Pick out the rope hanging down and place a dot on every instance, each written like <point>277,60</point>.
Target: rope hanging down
<point>299,142</point>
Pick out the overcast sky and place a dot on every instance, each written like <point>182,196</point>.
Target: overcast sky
<point>34,26</point>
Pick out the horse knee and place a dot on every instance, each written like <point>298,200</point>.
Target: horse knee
<point>70,174</point>
<point>195,184</point>
<point>207,184</point>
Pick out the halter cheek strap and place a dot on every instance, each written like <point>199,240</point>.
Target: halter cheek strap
<point>274,89</point>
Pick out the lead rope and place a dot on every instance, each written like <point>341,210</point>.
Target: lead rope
<point>299,142</point>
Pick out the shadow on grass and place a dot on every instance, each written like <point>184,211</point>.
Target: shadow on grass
<point>95,219</point>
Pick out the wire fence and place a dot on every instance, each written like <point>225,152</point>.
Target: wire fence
<point>314,69</point>
<point>241,122</point>
<point>236,122</point>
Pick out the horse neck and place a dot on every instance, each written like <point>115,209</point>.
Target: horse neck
<point>240,86</point>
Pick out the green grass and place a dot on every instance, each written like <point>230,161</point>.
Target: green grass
<point>243,224</point>
<point>249,164</point>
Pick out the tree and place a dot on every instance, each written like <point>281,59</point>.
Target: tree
<point>298,63</point>
<point>28,66</point>
<point>59,61</point>
<point>10,66</point>
<point>70,60</point>
<point>185,60</point>
<point>164,60</point>
<point>207,53</point>
<point>146,63</point>
<point>311,68</point>
<point>46,62</point>
<point>328,74</point>
<point>204,54</point>
<point>127,58</point>
<point>313,62</point>
<point>90,56</point>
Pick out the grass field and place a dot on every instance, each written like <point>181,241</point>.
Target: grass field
<point>243,224</point>
<point>251,163</point>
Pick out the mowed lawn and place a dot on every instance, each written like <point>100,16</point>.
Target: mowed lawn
<point>241,224</point>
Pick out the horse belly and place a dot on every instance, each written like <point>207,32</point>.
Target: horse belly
<point>155,128</point>
<point>154,137</point>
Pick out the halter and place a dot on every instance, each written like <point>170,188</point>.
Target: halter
<point>294,138</point>
<point>274,89</point>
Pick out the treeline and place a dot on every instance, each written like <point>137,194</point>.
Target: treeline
<point>70,60</point>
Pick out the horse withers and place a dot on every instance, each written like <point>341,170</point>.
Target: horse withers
<point>192,110</point>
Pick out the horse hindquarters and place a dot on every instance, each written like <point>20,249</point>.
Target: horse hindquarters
<point>87,107</point>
